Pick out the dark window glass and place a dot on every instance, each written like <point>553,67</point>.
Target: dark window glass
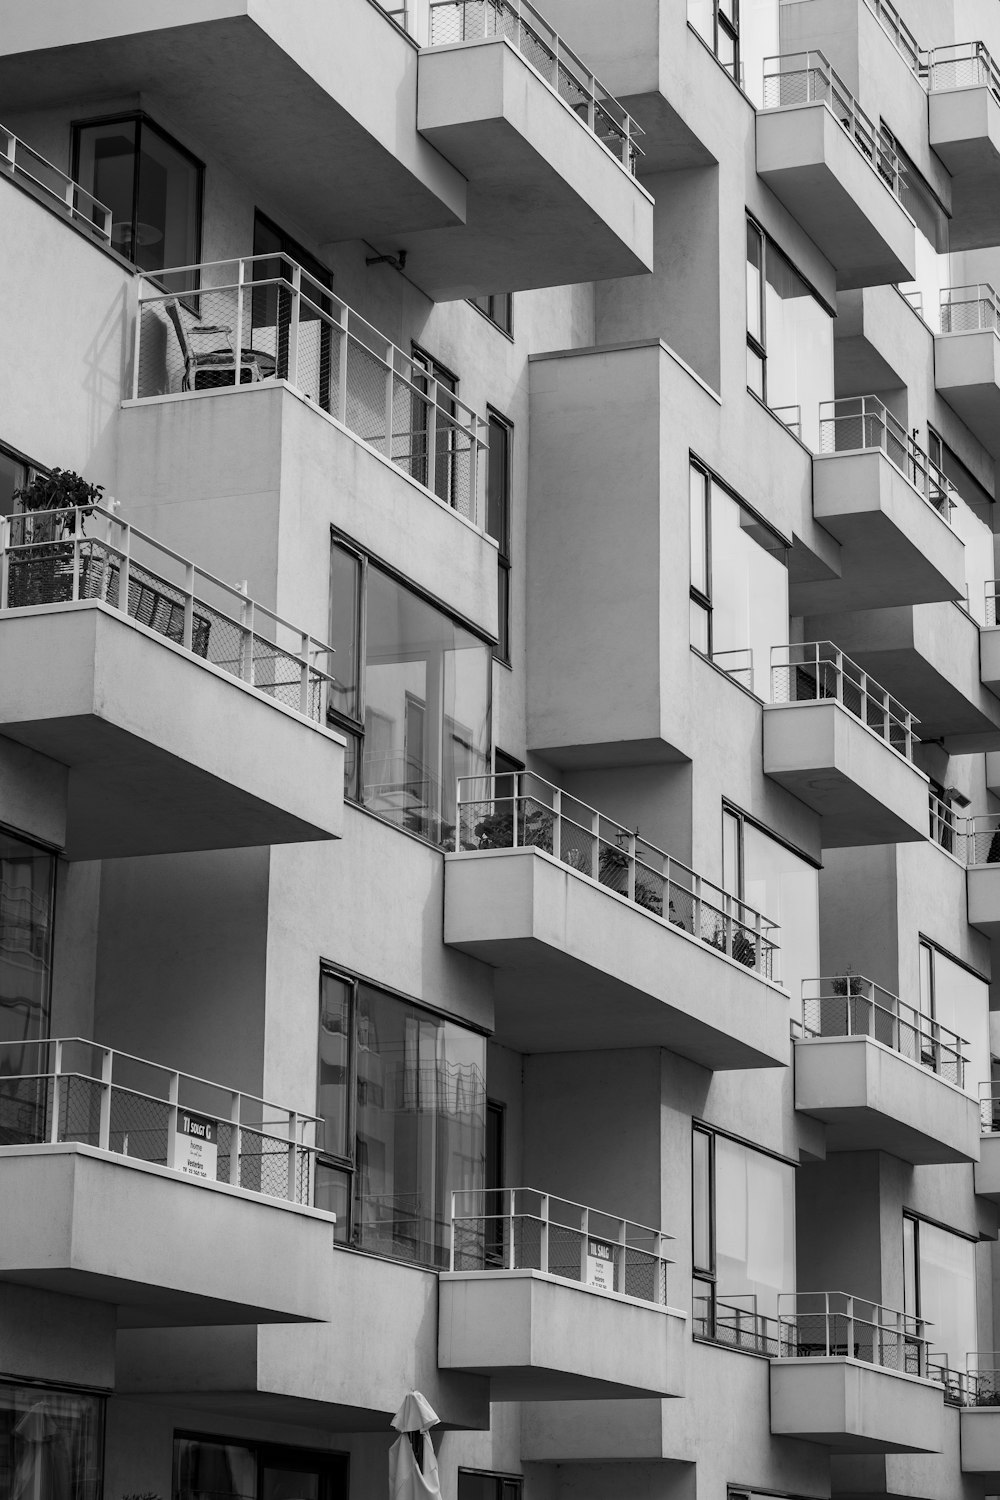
<point>498,523</point>
<point>207,1469</point>
<point>50,1444</point>
<point>14,474</point>
<point>27,879</point>
<point>499,308</point>
<point>344,627</point>
<point>474,1485</point>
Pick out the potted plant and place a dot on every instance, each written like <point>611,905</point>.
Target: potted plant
<point>41,558</point>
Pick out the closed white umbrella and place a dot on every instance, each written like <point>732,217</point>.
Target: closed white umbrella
<point>411,1478</point>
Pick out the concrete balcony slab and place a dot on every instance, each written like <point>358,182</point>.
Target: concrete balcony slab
<point>981,1443</point>
<point>987,1172</point>
<point>352,74</point>
<point>812,166</point>
<point>982,883</point>
<point>967,375</point>
<point>165,751</point>
<point>877,341</point>
<point>541,1338</point>
<point>906,1476</point>
<point>964,131</point>
<point>854,1407</point>
<point>874,1099</point>
<point>865,792</point>
<point>548,204</point>
<point>164,1249</point>
<point>897,549</point>
<point>573,959</point>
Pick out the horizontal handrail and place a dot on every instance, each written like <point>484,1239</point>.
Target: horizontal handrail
<point>962,65</point>
<point>17,157</point>
<point>838,1325</point>
<point>969,309</point>
<point>522,810</point>
<point>860,423</point>
<point>989,1107</point>
<point>808,78</point>
<point>737,664</point>
<point>517,21</point>
<point>947,827</point>
<point>899,34</point>
<point>979,1385</point>
<point>851,1005</point>
<point>980,836</point>
<point>67,1089</point>
<point>810,671</point>
<point>46,558</point>
<point>263,317</point>
<point>528,1229</point>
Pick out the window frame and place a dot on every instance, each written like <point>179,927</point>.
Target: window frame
<point>503,1480</point>
<point>503,324</point>
<point>99,1394</point>
<point>501,651</point>
<point>270,1453</point>
<point>758,345</point>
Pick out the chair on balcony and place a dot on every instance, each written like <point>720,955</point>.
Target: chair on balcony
<point>205,369</point>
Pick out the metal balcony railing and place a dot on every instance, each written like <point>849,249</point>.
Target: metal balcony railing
<point>70,1089</point>
<point>970,309</point>
<point>736,664</point>
<point>851,1005</point>
<point>525,811</point>
<point>734,1319</point>
<point>518,22</point>
<point>962,65</point>
<point>25,164</point>
<point>814,671</point>
<point>978,1385</point>
<point>860,423</point>
<point>47,558</point>
<point>517,1229</point>
<point>947,827</point>
<point>808,78</point>
<point>898,33</point>
<point>840,1326</point>
<point>989,1108</point>
<point>264,318</point>
<point>979,838</point>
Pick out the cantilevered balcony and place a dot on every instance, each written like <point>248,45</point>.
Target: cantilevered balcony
<point>967,359</point>
<point>963,82</point>
<point>821,155</point>
<point>168,1195</point>
<point>978,840</point>
<point>844,747</point>
<point>52,186</point>
<point>556,1301</point>
<point>599,935</point>
<point>988,1165</point>
<point>853,1376</point>
<point>975,1388</point>
<point>882,1075</point>
<point>889,506</point>
<point>190,717</point>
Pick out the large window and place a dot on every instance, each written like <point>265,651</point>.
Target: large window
<point>50,1444</point>
<point>499,308</point>
<point>476,1484</point>
<point>767,875</point>
<point>743,1240</point>
<point>741,33</point>
<point>27,879</point>
<point>957,999</point>
<point>414,698</point>
<point>789,338</point>
<point>739,583</point>
<point>207,1468</point>
<point>498,523</point>
<point>402,1095</point>
<point>151,184</point>
<point>939,1278</point>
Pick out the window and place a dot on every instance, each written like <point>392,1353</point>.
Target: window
<point>743,1240</point>
<point>402,1096</point>
<point>775,880</point>
<point>50,1443</point>
<point>741,33</point>
<point>414,700</point>
<point>15,472</point>
<point>939,1284</point>
<point>957,999</point>
<point>272,312</point>
<point>206,1468</point>
<point>499,308</point>
<point>739,583</point>
<point>498,523</point>
<point>27,883</point>
<point>789,339</point>
<point>151,184</point>
<point>449,479</point>
<point>718,22</point>
<point>473,1484</point>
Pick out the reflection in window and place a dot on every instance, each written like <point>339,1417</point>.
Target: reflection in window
<point>789,339</point>
<point>957,999</point>
<point>769,876</point>
<point>15,473</point>
<point>50,1444</point>
<point>473,1484</point>
<point>498,523</point>
<point>939,1282</point>
<point>425,718</point>
<point>408,1132</point>
<point>27,877</point>
<point>207,1469</point>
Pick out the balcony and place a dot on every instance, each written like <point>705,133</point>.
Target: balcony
<point>129,1177</point>
<point>967,359</point>
<point>978,841</point>
<point>889,506</point>
<point>988,1166</point>
<point>53,188</point>
<point>853,1376</point>
<point>346,163</point>
<point>189,716</point>
<point>882,1076</point>
<point>963,84</point>
<point>976,1392</point>
<point>556,1301</point>
<point>822,157</point>
<point>598,935</point>
<point>549,156</point>
<point>844,746</point>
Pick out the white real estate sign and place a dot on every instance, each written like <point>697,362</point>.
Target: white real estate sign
<point>197,1147</point>
<point>600,1264</point>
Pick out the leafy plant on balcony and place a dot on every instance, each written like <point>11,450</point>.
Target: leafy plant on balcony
<point>534,829</point>
<point>42,573</point>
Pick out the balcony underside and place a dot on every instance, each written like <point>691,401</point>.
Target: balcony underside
<point>165,753</point>
<point>965,133</point>
<point>864,791</point>
<point>542,1339</point>
<point>872,1099</point>
<point>967,375</point>
<point>903,1476</point>
<point>854,1407</point>
<point>813,168</point>
<point>987,1169</point>
<point>926,656</point>
<point>575,961</point>
<point>896,549</point>
<point>165,1250</point>
<point>547,204</point>
<point>346,162</point>
<point>981,1444</point>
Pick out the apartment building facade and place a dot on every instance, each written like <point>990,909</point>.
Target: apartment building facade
<point>500,797</point>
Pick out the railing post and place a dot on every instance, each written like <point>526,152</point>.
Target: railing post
<point>238,331</point>
<point>342,353</point>
<point>630,890</point>
<point>389,382</point>
<point>235,1144</point>
<point>187,638</point>
<point>295,312</point>
<point>696,907</point>
<point>557,823</point>
<point>304,706</point>
<point>432,411</point>
<point>619,1277</point>
<point>293,1156</point>
<point>451,1249</point>
<point>55,1124</point>
<point>107,1077</point>
<point>595,847</point>
<point>246,645</point>
<point>758,927</point>
<point>75,567</point>
<point>511,1258</point>
<point>4,560</point>
<point>173,1099</point>
<point>584,1238</point>
<point>124,570</point>
<point>136,342</point>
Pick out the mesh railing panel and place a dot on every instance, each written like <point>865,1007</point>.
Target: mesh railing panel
<point>969,314</point>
